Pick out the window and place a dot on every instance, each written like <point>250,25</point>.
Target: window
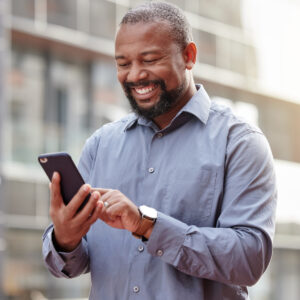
<point>24,8</point>
<point>103,19</point>
<point>62,12</point>
<point>206,45</point>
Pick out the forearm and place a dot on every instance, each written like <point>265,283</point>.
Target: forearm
<point>63,264</point>
<point>229,255</point>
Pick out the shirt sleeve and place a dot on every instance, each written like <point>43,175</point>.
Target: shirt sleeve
<point>238,249</point>
<point>64,264</point>
<point>87,158</point>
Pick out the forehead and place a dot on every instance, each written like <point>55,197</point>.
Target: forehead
<point>140,36</point>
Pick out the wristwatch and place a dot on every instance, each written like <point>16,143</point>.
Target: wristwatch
<point>148,218</point>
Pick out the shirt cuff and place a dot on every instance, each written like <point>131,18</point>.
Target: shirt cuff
<point>167,238</point>
<point>62,258</point>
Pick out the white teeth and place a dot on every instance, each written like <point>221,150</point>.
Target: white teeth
<point>144,90</point>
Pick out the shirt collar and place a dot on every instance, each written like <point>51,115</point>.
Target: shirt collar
<point>131,120</point>
<point>198,106</point>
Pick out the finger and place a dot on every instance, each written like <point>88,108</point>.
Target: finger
<point>124,216</point>
<point>90,221</point>
<point>101,190</point>
<point>56,198</point>
<point>89,208</point>
<point>94,217</point>
<point>77,200</point>
<point>102,215</point>
<point>111,196</point>
<point>115,209</point>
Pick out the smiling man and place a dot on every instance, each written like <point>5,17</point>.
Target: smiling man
<point>185,199</point>
<point>154,70</point>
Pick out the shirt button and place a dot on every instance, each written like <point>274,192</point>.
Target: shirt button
<point>160,134</point>
<point>141,248</point>
<point>136,289</point>
<point>159,252</point>
<point>151,170</point>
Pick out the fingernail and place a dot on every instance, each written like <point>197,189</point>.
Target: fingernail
<point>54,176</point>
<point>86,188</point>
<point>96,195</point>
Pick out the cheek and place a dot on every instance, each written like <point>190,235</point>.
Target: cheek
<point>121,76</point>
<point>174,78</point>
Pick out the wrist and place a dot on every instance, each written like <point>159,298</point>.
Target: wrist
<point>63,247</point>
<point>147,234</point>
<point>148,216</point>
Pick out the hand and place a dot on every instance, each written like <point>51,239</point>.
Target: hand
<point>69,225</point>
<point>121,212</point>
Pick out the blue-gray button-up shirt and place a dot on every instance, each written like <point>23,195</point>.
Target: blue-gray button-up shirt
<point>211,178</point>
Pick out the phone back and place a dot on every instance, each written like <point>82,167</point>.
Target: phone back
<point>62,163</point>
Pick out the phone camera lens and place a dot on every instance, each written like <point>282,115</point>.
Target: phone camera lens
<point>43,160</point>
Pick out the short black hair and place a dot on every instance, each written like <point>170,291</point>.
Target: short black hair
<point>181,31</point>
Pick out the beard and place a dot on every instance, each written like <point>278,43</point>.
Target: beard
<point>166,100</point>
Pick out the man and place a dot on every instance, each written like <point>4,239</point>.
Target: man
<point>191,181</point>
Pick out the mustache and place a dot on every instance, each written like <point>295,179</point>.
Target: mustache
<point>128,85</point>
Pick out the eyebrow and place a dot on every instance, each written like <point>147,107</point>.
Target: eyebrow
<point>142,54</point>
<point>119,57</point>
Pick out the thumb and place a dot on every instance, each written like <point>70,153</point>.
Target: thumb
<point>56,197</point>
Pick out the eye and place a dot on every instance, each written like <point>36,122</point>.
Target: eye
<point>149,61</point>
<point>123,65</point>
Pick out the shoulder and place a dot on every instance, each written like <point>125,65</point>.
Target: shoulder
<point>111,129</point>
<point>244,141</point>
<point>233,126</point>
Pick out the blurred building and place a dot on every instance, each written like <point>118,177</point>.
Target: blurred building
<point>3,50</point>
<point>62,85</point>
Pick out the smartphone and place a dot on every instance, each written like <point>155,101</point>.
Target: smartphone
<point>70,178</point>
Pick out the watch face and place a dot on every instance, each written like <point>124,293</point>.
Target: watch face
<point>148,212</point>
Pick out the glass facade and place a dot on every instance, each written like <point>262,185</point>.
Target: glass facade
<point>53,98</point>
<point>100,24</point>
<point>63,13</point>
<point>227,12</point>
<point>60,91</point>
<point>24,9</point>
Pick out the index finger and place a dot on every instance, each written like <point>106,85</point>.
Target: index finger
<point>100,190</point>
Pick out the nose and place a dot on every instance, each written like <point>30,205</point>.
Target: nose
<point>136,73</point>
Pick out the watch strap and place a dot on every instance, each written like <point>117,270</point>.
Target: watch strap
<point>145,224</point>
<point>146,221</point>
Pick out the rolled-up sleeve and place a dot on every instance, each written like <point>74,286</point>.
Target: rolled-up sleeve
<point>239,248</point>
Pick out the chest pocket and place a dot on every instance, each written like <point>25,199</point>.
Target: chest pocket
<point>190,194</point>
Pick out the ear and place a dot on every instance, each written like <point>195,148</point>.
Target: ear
<point>190,54</point>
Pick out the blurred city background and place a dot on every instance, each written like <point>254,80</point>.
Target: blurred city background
<point>58,84</point>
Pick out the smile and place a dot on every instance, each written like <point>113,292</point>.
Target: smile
<point>145,90</point>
